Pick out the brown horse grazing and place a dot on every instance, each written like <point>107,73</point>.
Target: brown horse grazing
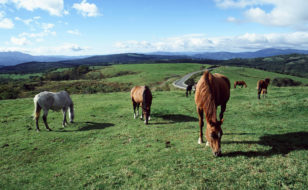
<point>212,91</point>
<point>240,83</point>
<point>262,87</point>
<point>142,95</point>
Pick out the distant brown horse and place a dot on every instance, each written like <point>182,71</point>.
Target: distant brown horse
<point>262,87</point>
<point>240,83</point>
<point>142,95</point>
<point>212,91</point>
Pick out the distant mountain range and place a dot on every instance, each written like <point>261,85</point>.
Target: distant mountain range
<point>229,55</point>
<point>52,62</point>
<point>34,67</point>
<point>15,58</point>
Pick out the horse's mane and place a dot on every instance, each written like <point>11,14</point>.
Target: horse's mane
<point>145,97</point>
<point>209,96</point>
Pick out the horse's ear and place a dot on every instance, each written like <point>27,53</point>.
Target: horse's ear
<point>221,121</point>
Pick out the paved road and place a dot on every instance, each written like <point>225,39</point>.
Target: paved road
<point>181,82</point>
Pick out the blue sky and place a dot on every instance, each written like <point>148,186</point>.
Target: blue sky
<point>88,27</point>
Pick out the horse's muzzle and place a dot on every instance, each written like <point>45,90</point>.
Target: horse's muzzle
<point>217,154</point>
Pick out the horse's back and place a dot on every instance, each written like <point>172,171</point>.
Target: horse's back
<point>137,93</point>
<point>54,101</point>
<point>262,84</point>
<point>222,88</point>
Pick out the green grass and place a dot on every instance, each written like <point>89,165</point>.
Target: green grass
<point>149,73</point>
<point>264,143</point>
<point>19,76</point>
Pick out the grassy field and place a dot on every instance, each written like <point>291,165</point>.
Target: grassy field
<point>264,146</point>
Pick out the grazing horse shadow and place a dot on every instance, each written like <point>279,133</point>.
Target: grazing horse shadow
<point>175,118</point>
<point>95,126</point>
<point>280,144</point>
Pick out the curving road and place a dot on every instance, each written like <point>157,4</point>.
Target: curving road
<point>181,82</point>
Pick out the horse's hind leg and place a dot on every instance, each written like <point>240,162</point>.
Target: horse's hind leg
<point>259,92</point>
<point>201,123</point>
<point>37,117</point>
<point>64,110</point>
<point>45,119</point>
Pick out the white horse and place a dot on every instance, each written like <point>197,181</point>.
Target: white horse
<point>54,101</point>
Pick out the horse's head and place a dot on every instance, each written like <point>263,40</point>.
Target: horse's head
<point>267,80</point>
<point>213,136</point>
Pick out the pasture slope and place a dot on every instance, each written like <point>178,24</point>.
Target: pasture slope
<point>264,146</point>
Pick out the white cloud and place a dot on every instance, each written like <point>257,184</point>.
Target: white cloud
<point>54,7</point>
<point>25,21</point>
<point>86,9</point>
<point>199,43</point>
<point>63,49</point>
<point>5,23</point>
<point>284,13</point>
<point>74,32</point>
<point>19,41</point>
<point>47,26</point>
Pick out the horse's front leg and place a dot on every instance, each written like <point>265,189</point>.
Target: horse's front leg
<point>45,119</point>
<point>134,107</point>
<point>222,110</point>
<point>138,105</point>
<point>201,124</point>
<point>64,110</point>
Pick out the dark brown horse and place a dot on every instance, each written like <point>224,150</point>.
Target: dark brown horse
<point>142,95</point>
<point>212,91</point>
<point>188,89</point>
<point>262,87</point>
<point>240,83</point>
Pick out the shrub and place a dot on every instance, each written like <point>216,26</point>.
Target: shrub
<point>280,82</point>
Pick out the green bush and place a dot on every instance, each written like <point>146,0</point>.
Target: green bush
<point>280,82</point>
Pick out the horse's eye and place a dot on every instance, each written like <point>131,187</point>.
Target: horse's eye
<point>214,136</point>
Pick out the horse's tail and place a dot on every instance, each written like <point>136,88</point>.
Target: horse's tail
<point>37,108</point>
<point>145,98</point>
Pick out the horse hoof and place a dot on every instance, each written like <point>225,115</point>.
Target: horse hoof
<point>199,141</point>
<point>37,130</point>
<point>49,130</point>
<point>207,143</point>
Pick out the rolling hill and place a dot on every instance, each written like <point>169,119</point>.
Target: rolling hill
<point>14,58</point>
